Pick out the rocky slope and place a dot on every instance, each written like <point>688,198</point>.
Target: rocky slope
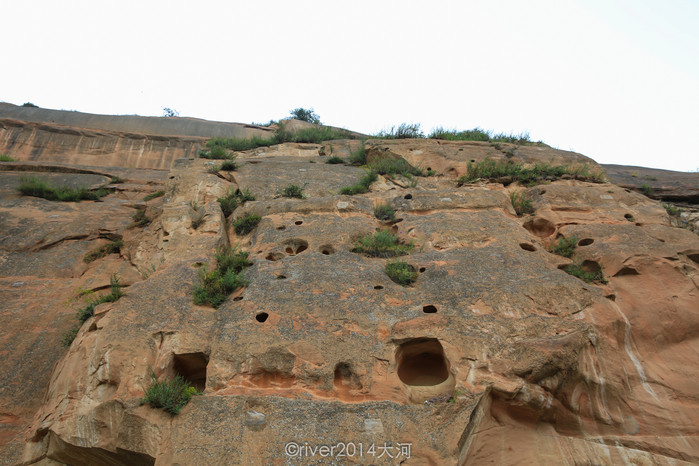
<point>494,355</point>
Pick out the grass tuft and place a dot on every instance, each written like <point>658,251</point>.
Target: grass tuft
<point>139,218</point>
<point>478,134</point>
<point>362,186</point>
<point>233,199</point>
<point>401,272</point>
<point>565,246</point>
<point>521,204</point>
<point>382,244</point>
<point>358,157</point>
<point>88,310</point>
<point>170,396</point>
<point>384,212</point>
<point>154,195</point>
<point>510,172</point>
<point>31,186</point>
<point>402,131</point>
<point>6,158</point>
<point>293,191</point>
<point>245,225</point>
<point>110,248</point>
<point>227,277</point>
<point>578,271</point>
<point>334,160</point>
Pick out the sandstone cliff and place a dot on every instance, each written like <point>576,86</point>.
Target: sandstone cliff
<point>495,355</point>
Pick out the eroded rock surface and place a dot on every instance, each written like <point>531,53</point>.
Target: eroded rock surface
<point>494,355</point>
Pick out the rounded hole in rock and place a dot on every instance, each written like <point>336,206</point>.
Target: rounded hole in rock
<point>274,256</point>
<point>196,265</point>
<point>408,196</point>
<point>192,367</point>
<point>543,191</point>
<point>344,378</point>
<point>378,287</point>
<point>429,169</point>
<point>295,246</point>
<point>429,309</point>
<point>527,247</point>
<point>289,250</point>
<point>261,317</point>
<point>591,266</point>
<point>298,222</point>
<point>422,269</point>
<point>281,277</point>
<point>171,178</point>
<point>421,362</point>
<point>586,242</point>
<point>628,217</point>
<point>540,227</point>
<point>473,160</point>
<point>327,249</point>
<point>639,224</point>
<point>282,227</point>
<point>238,298</point>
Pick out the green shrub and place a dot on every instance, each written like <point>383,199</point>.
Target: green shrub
<point>646,189</point>
<point>358,157</point>
<point>401,272</point>
<point>222,281</point>
<point>245,225</point>
<point>6,158</point>
<point>672,210</point>
<point>293,191</point>
<point>31,186</point>
<point>215,152</point>
<point>384,212</point>
<point>29,104</point>
<point>335,160</point>
<point>382,244</point>
<point>139,218</point>
<point>110,248</point>
<point>152,196</point>
<point>402,131</point>
<point>362,186</point>
<point>233,199</point>
<point>170,396</point>
<point>565,247</point>
<point>521,204</point>
<point>115,180</point>
<point>304,114</point>
<point>577,270</point>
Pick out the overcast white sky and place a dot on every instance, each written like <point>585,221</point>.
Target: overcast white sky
<point>616,80</point>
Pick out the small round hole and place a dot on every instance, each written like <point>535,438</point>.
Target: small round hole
<point>378,287</point>
<point>282,227</point>
<point>429,309</point>
<point>422,269</point>
<point>473,160</point>
<point>238,298</point>
<point>527,246</point>
<point>261,317</point>
<point>408,196</point>
<point>196,265</point>
<point>586,242</point>
<point>281,277</point>
<point>298,222</point>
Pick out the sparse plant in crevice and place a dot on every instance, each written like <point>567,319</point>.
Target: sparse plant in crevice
<point>672,210</point>
<point>577,270</point>
<point>88,310</point>
<point>384,212</point>
<point>170,396</point>
<point>227,277</point>
<point>565,246</point>
<point>647,190</point>
<point>521,204</point>
<point>401,272</point>
<point>245,225</point>
<point>32,186</point>
<point>233,199</point>
<point>335,160</point>
<point>358,157</point>
<point>139,218</point>
<point>228,165</point>
<point>382,244</point>
<point>391,166</point>
<point>293,191</point>
<point>110,248</point>
<point>115,180</point>
<point>154,195</point>
<point>6,158</point>
<point>362,186</point>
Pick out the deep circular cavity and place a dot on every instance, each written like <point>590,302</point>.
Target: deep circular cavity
<point>327,249</point>
<point>527,247</point>
<point>281,277</point>
<point>586,242</point>
<point>238,298</point>
<point>429,309</point>
<point>298,222</point>
<point>421,362</point>
<point>261,317</point>
<point>281,227</point>
<point>378,287</point>
<point>540,227</point>
<point>408,196</point>
<point>422,269</point>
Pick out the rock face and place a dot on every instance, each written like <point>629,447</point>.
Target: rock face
<point>494,355</point>
<point>657,184</point>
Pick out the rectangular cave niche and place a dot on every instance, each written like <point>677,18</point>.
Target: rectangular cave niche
<point>192,367</point>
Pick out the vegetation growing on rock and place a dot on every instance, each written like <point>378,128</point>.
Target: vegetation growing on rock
<point>154,195</point>
<point>565,246</point>
<point>508,171</point>
<point>233,199</point>
<point>37,187</point>
<point>401,272</point>
<point>88,310</point>
<point>362,186</point>
<point>521,204</point>
<point>382,244</point>
<point>170,396</point>
<point>384,212</point>
<point>227,277</point>
<point>113,247</point>
<point>245,225</point>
